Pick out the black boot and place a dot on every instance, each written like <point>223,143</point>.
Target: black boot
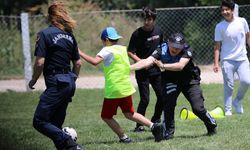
<point>70,144</point>
<point>210,124</point>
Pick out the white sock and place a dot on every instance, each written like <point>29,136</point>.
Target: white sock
<point>124,136</point>
<point>151,126</point>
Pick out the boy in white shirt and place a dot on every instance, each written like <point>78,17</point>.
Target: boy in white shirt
<point>231,35</point>
<point>118,88</point>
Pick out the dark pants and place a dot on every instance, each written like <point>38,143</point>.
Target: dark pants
<point>51,110</point>
<point>143,82</point>
<point>193,94</point>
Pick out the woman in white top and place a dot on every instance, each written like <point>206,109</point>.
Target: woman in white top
<point>231,35</point>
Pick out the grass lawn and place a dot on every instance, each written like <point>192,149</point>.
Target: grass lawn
<point>83,114</point>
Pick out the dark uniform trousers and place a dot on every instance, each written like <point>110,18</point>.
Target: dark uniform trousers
<point>143,81</point>
<point>51,110</point>
<point>193,94</point>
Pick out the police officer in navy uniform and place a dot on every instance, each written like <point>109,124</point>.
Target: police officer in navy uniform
<point>179,74</point>
<point>143,42</point>
<point>56,47</point>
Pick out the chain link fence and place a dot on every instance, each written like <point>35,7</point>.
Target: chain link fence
<point>196,23</point>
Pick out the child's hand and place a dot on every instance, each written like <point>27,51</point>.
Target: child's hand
<point>160,65</point>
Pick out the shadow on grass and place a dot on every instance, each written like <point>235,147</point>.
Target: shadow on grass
<point>149,138</point>
<point>108,142</point>
<point>190,136</point>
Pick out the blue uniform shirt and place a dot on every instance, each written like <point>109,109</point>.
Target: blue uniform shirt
<point>189,73</point>
<point>57,47</point>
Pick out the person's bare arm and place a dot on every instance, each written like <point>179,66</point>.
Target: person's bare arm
<point>92,60</point>
<point>178,66</point>
<point>76,66</point>
<point>248,38</point>
<point>133,56</point>
<point>143,63</point>
<point>217,46</point>
<point>37,70</point>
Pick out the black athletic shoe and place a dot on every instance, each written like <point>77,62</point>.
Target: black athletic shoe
<point>126,140</point>
<point>71,145</point>
<point>157,131</point>
<point>168,136</point>
<point>78,147</point>
<point>211,131</point>
<point>139,129</point>
<point>210,124</point>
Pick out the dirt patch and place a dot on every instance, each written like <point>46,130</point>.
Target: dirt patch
<point>90,82</point>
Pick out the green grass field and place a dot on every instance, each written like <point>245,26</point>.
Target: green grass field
<point>17,133</point>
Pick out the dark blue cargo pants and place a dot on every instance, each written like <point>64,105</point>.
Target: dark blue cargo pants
<point>51,110</point>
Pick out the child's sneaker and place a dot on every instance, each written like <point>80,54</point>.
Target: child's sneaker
<point>238,106</point>
<point>126,140</point>
<point>139,129</point>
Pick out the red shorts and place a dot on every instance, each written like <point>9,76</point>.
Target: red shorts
<point>109,107</point>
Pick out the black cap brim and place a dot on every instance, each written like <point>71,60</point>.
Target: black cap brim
<point>175,45</point>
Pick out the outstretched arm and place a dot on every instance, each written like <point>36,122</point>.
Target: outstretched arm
<point>143,63</point>
<point>92,60</point>
<point>133,56</point>
<point>178,66</point>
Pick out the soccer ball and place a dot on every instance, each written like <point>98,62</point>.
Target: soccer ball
<point>71,132</point>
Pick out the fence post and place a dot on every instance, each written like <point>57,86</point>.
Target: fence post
<point>236,10</point>
<point>26,49</point>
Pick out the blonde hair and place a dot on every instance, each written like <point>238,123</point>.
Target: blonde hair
<point>59,17</point>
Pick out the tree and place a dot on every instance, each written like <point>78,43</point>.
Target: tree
<point>15,7</point>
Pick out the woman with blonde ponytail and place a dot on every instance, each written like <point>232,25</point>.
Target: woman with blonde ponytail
<point>55,48</point>
<point>59,17</point>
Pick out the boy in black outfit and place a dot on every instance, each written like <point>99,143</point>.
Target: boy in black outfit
<point>143,42</point>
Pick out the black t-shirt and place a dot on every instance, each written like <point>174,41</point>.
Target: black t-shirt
<point>189,74</point>
<point>143,43</point>
<point>57,47</point>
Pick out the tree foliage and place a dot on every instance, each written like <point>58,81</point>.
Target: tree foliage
<point>13,7</point>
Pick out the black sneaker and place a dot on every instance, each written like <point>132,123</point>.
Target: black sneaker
<point>211,131</point>
<point>71,145</point>
<point>77,147</point>
<point>126,140</point>
<point>168,136</point>
<point>211,128</point>
<point>139,129</point>
<point>210,124</point>
<point>157,131</point>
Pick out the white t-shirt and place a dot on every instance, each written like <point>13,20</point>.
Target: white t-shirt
<point>106,55</point>
<point>232,36</point>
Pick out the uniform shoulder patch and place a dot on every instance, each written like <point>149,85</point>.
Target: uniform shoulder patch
<point>189,53</point>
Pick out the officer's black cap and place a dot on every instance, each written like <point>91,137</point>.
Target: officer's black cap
<point>176,40</point>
